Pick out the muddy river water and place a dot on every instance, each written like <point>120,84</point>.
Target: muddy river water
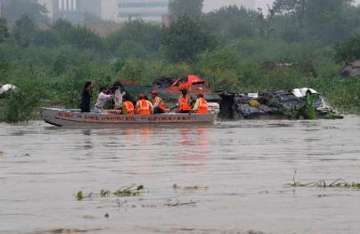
<point>228,178</point>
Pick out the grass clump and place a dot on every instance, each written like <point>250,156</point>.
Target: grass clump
<point>128,191</point>
<point>338,183</point>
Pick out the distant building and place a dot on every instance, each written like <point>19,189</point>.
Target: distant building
<point>111,10</point>
<point>72,10</point>
<point>123,10</point>
<point>148,10</point>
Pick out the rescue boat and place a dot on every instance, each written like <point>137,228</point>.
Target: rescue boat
<point>74,118</point>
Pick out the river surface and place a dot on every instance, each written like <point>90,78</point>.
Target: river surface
<point>227,178</point>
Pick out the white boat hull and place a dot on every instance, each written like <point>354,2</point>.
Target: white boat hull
<point>73,118</point>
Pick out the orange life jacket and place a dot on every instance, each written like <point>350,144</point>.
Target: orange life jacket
<point>203,106</point>
<point>128,108</point>
<point>184,104</point>
<point>162,105</point>
<point>143,107</point>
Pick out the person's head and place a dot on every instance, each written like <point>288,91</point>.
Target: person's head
<point>184,92</point>
<point>87,86</point>
<point>200,95</point>
<point>141,96</point>
<point>154,93</point>
<point>102,89</point>
<point>126,98</point>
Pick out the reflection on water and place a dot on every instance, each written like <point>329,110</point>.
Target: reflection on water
<point>243,165</point>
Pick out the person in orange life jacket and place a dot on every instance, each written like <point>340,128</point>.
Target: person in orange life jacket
<point>201,105</point>
<point>127,107</point>
<point>143,106</point>
<point>158,104</point>
<point>184,102</point>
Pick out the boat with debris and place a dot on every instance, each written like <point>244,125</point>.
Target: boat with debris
<point>74,118</point>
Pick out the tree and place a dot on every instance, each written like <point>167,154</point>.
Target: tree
<point>136,38</point>
<point>233,22</point>
<point>327,21</point>
<point>185,39</point>
<point>77,36</point>
<point>349,50</point>
<point>15,9</point>
<point>189,8</point>
<point>4,32</point>
<point>295,8</point>
<point>24,31</point>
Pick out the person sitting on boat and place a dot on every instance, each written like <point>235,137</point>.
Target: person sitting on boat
<point>86,97</point>
<point>143,106</point>
<point>157,102</point>
<point>184,102</point>
<point>128,107</point>
<point>201,105</point>
<point>102,98</point>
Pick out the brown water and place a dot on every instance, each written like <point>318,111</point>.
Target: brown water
<point>241,168</point>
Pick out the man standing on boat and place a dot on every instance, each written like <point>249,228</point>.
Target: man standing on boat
<point>86,97</point>
<point>143,106</point>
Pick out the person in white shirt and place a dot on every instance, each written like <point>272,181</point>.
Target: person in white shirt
<point>102,98</point>
<point>118,98</point>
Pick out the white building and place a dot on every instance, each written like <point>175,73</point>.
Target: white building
<point>123,10</point>
<point>72,10</point>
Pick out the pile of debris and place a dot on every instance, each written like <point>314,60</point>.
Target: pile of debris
<point>275,105</point>
<point>6,88</point>
<point>351,69</point>
<point>304,103</point>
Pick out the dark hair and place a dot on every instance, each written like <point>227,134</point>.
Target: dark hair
<point>184,92</point>
<point>102,89</point>
<point>87,85</point>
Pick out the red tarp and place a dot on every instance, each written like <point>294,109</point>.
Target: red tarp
<point>194,79</point>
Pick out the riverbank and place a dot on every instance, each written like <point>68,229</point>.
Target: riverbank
<point>24,104</point>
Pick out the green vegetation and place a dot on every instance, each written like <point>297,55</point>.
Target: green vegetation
<point>339,183</point>
<point>296,44</point>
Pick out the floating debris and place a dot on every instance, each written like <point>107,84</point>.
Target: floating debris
<point>338,183</point>
<point>68,231</point>
<point>190,188</point>
<point>178,203</point>
<point>129,191</point>
<point>79,196</point>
